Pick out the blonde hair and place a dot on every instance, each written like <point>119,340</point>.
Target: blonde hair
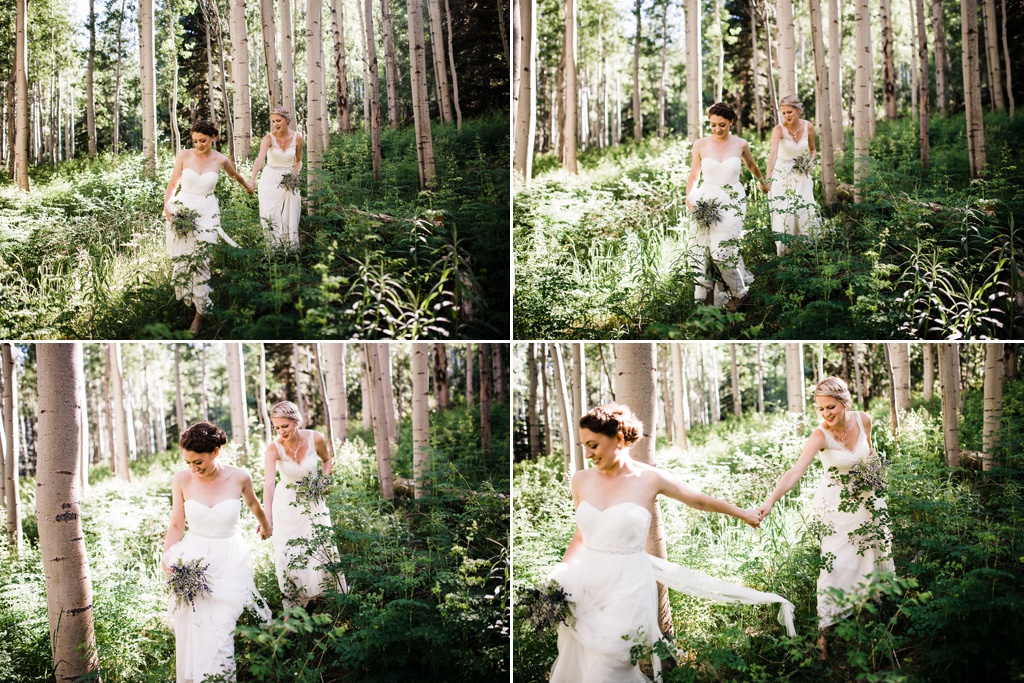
<point>288,411</point>
<point>835,388</point>
<point>791,101</point>
<point>281,111</point>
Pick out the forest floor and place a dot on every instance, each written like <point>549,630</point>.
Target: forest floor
<point>82,256</point>
<point>929,254</point>
<point>428,597</point>
<point>958,543</point>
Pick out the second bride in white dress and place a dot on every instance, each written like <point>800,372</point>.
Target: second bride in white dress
<point>279,207</point>
<point>794,211</point>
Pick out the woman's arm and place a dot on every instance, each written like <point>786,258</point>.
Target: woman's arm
<point>577,539</point>
<point>172,184</point>
<point>694,172</point>
<point>774,153</point>
<point>265,530</point>
<point>264,148</point>
<point>866,425</point>
<point>810,140</point>
<point>748,159</point>
<point>229,168</point>
<point>788,480</point>
<point>177,526</point>
<point>269,470</point>
<point>670,486</point>
<point>320,444</point>
<point>298,152</point>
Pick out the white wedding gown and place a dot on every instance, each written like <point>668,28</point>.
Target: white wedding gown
<point>720,180</point>
<point>307,580</point>
<point>204,641</point>
<point>850,564</point>
<point>611,584</point>
<point>191,272</point>
<point>792,194</point>
<point>279,208</point>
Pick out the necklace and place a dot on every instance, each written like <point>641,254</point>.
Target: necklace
<point>846,428</point>
<point>292,453</point>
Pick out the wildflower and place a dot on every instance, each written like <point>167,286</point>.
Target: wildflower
<point>803,165</point>
<point>706,212</point>
<point>544,606</point>
<point>291,182</point>
<point>184,221</point>
<point>312,488</point>
<point>188,581</point>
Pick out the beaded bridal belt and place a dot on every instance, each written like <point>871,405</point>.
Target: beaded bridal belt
<point>609,551</point>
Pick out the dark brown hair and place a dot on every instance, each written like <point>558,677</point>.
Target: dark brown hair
<point>612,419</point>
<point>203,437</point>
<point>722,109</point>
<point>206,128</point>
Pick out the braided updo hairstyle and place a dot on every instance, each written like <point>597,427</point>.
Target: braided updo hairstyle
<point>612,419</point>
<point>203,437</point>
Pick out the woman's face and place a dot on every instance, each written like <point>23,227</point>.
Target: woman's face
<point>600,449</point>
<point>285,428</point>
<point>789,114</point>
<point>831,410</point>
<point>203,465</point>
<point>719,126</point>
<point>278,123</point>
<point>201,142</point>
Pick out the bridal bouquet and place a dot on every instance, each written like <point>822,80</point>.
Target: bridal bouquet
<point>184,221</point>
<point>312,488</point>
<point>803,164</point>
<point>188,581</point>
<point>869,474</point>
<point>706,212</point>
<point>544,606</point>
<point>291,182</point>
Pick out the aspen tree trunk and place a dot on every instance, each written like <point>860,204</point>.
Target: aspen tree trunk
<point>314,94</point>
<point>374,89</point>
<point>117,84</point>
<point>526,111</point>
<point>737,406</point>
<point>236,391</point>
<point>824,115</point>
<point>922,60</point>
<point>3,434</point>
<point>337,388</point>
<point>939,30</point>
<point>579,398</point>
<point>662,78</point>
<point>928,353</point>
<point>360,7</point>
<point>638,116</point>
<point>90,99</point>
<point>569,71</point>
<point>85,431</point>
<point>120,433</point>
<point>888,67</point>
<point>1009,67</point>
<point>755,70</point>
<point>972,87</point>
<point>768,53</point>
<point>21,94</point>
<point>861,394</point>
<point>994,369</point>
<point>565,426</point>
<point>366,395</point>
<point>716,384</point>
<point>380,429</point>
<point>666,393</point>
<point>795,379</point>
<point>390,66</point>
<point>228,119</point>
<point>992,54</point>
<point>268,427</point>
<point>58,507</point>
<point>678,398</point>
<point>269,31</point>
<point>863,96</point>
<point>835,75</point>
<point>894,409</point>
<point>760,378</point>
<point>209,64</point>
<point>549,443</point>
<point>12,501</point>
<point>172,98</point>
<point>161,407</point>
<point>287,56</point>
<point>420,108</point>
<point>469,375</point>
<point>147,63</point>
<point>444,101</point>
<point>486,393</point>
<point>204,396</point>
<point>900,355</point>
<point>451,64</point>
<point>420,412</point>
<point>532,427</point>
<point>720,38</point>
<point>441,385</point>
<point>635,387</point>
<point>179,401</point>
<point>384,354</point>
<point>324,396</point>
<point>498,352</point>
<point>694,71</point>
<point>949,378</point>
<point>787,47</point>
<point>340,76</point>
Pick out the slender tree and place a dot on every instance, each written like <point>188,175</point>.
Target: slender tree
<point>1006,55</point>
<point>379,415</point>
<point>939,31</point>
<point>678,400</point>
<point>12,501</point>
<point>995,68</point>
<point>579,398</point>
<point>928,360</point>
<point>565,426</point>
<point>486,393</point>
<point>337,388</point>
<point>420,411</point>
<point>390,65</point>
<point>469,375</point>
<point>900,355</point>
<point>972,87</point>
<point>835,75</point>
<point>21,95</point>
<point>236,391</point>
<point>437,51</point>
<point>737,406</point>
<point>993,412</point>
<point>533,428</point>
<point>795,379</point>
<point>823,97</point>
<point>638,115</point>
<point>120,417</point>
<point>287,56</point>
<point>90,98</point>
<point>315,122</point>
<point>888,66</point>
<point>787,47</point>
<point>269,32</point>
<point>569,76</point>
<point>420,110</point>
<point>863,94</point>
<point>374,90</point>
<point>340,77</point>
<point>922,60</point>
<point>949,378</point>
<point>694,70</point>
<point>451,64</point>
<point>441,393</point>
<point>325,397</point>
<point>147,63</point>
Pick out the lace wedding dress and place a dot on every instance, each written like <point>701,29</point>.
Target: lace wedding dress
<point>792,194</point>
<point>853,544</point>
<point>279,208</point>
<point>204,641</point>
<point>611,584</point>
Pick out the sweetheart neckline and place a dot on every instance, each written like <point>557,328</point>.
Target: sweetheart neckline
<point>210,507</point>
<point>625,502</point>
<point>201,174</point>
<point>721,162</point>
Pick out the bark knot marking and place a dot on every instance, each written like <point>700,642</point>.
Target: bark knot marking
<point>66,516</point>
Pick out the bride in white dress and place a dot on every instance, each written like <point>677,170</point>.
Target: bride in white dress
<point>295,454</point>
<point>792,194</point>
<point>719,158</point>
<point>279,207</point>
<point>206,497</point>
<point>854,544</point>
<point>610,578</point>
<point>197,171</point>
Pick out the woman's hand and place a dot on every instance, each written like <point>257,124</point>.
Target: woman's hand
<point>689,205</point>
<point>764,185</point>
<point>763,510</point>
<point>167,212</point>
<point>265,533</point>
<point>751,517</point>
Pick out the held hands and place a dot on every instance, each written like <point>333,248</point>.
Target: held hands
<point>763,510</point>
<point>765,184</point>
<point>750,517</point>
<point>265,533</point>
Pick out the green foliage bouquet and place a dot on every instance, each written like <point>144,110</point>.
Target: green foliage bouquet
<point>868,475</point>
<point>291,182</point>
<point>544,606</point>
<point>184,221</point>
<point>312,488</point>
<point>707,212</point>
<point>803,164</point>
<point>188,581</point>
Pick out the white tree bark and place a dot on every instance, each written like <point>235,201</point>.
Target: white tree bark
<point>888,65</point>
<point>90,98</point>
<point>678,398</point>
<point>922,61</point>
<point>451,64</point>
<point>863,94</point>
<point>384,354</point>
<point>835,75</point>
<point>795,389</point>
<point>287,57</point>
<point>420,412</point>
<point>12,501</point>
<point>900,354</point>
<point>120,416</point>
<point>949,377</point>
<point>737,405</point>
<point>314,94</point>
<point>995,68</point>
<point>822,88</point>
<point>928,354</point>
<point>565,426</point>
<point>236,391</point>
<point>340,77</point>
<point>1009,64</point>
<point>694,71</point>
<point>373,92</point>
<point>269,30</point>
<point>787,47</point>
<point>939,31</point>
<point>390,67</point>
<point>21,95</point>
<point>993,413</point>
<point>569,76</point>
<point>972,86</point>
<point>526,112</point>
<point>380,428</point>
<point>420,108</point>
<point>579,399</point>
<point>147,64</point>
<point>337,388</point>
<point>470,402</point>
<point>437,51</point>
<point>328,409</point>
<point>532,416</point>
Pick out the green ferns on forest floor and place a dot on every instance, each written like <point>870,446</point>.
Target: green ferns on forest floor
<point>428,599</point>
<point>958,543</point>
<point>925,255</point>
<point>82,256</point>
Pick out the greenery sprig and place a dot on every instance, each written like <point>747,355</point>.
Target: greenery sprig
<point>803,164</point>
<point>544,606</point>
<point>312,488</point>
<point>184,221</point>
<point>706,212</point>
<point>291,182</point>
<point>188,581</point>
